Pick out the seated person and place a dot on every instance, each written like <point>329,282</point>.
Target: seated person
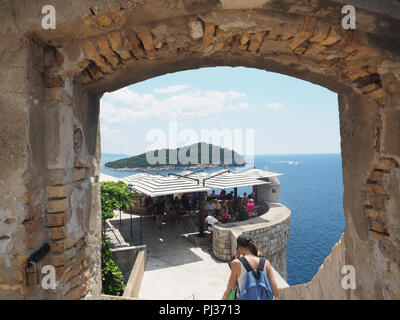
<point>243,214</point>
<point>250,208</point>
<point>225,213</point>
<point>211,220</point>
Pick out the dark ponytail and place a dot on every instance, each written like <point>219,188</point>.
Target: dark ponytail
<point>253,249</point>
<point>246,242</point>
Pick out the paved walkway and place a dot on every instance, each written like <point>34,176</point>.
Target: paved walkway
<point>176,269</point>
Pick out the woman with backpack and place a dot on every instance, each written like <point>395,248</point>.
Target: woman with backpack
<point>247,277</point>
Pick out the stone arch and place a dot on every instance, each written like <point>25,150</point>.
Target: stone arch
<point>58,76</point>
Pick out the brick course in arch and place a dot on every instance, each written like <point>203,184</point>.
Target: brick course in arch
<point>50,153</point>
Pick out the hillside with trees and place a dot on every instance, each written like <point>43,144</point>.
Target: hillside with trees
<point>225,157</point>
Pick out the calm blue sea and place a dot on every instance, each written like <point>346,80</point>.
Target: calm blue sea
<point>312,189</point>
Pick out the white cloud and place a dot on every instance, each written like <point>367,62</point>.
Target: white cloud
<point>275,105</point>
<point>171,89</point>
<point>127,106</point>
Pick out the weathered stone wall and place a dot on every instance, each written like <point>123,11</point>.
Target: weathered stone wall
<point>50,138</point>
<point>270,232</point>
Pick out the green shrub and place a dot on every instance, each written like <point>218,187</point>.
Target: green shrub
<point>111,274</point>
<point>114,196</point>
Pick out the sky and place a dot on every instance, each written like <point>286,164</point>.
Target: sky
<point>252,111</point>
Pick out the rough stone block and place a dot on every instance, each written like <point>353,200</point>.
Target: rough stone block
<point>376,202</point>
<point>378,227</point>
<point>387,164</point>
<point>322,33</point>
<point>92,53</point>
<point>370,87</point>
<point>95,72</point>
<point>244,39</point>
<point>57,219</point>
<point>377,175</point>
<point>146,38</point>
<point>208,38</point>
<point>376,188</point>
<point>305,34</point>
<point>353,76</point>
<point>106,51</point>
<point>79,174</point>
<point>382,216</point>
<point>135,44</point>
<point>58,191</point>
<point>256,42</point>
<point>58,233</point>
<point>377,94</point>
<point>116,42</point>
<point>57,205</point>
<point>57,246</point>
<point>332,38</point>
<point>58,259</point>
<point>196,30</point>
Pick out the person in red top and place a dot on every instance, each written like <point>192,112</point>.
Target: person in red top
<point>250,207</point>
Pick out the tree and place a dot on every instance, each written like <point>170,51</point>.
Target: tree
<point>114,196</point>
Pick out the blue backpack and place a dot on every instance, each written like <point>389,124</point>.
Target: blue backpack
<point>255,284</point>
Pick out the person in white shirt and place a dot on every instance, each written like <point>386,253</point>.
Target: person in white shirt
<point>211,220</point>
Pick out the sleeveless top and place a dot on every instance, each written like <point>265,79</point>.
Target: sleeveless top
<point>243,273</point>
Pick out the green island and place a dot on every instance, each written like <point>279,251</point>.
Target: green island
<point>141,161</point>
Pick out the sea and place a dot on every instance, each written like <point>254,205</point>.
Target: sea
<point>312,188</point>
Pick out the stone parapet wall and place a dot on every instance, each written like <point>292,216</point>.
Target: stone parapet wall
<point>270,232</point>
